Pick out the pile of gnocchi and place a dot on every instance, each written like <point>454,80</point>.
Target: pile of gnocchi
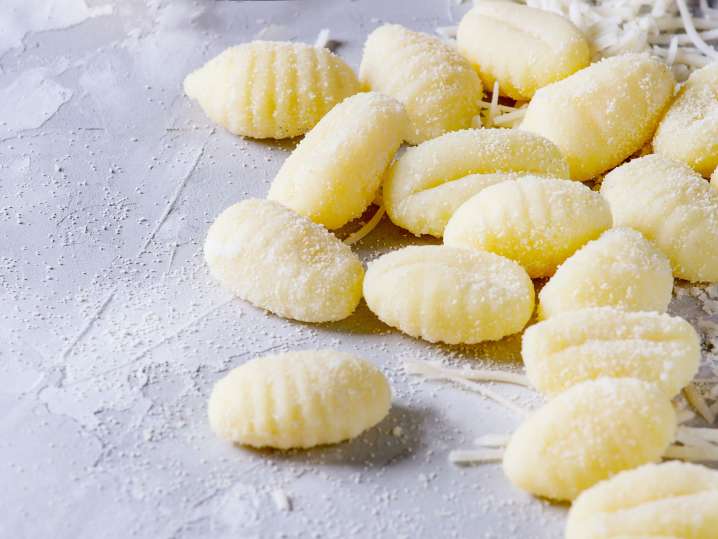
<point>510,207</point>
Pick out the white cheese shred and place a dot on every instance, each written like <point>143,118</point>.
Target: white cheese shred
<point>691,31</point>
<point>366,229</point>
<point>435,370</point>
<point>475,456</point>
<point>322,38</point>
<point>692,453</point>
<point>699,404</point>
<point>493,440</point>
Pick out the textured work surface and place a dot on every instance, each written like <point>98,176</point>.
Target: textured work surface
<point>112,333</point>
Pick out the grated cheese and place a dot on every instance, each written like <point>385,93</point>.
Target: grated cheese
<point>370,225</point>
<point>699,404</point>
<point>322,38</point>
<point>475,456</point>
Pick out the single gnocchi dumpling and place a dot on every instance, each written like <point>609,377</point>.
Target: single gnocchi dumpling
<point>588,344</point>
<point>335,172</point>
<point>438,87</point>
<point>689,130</point>
<point>537,222</point>
<point>450,295</point>
<point>604,113</point>
<point>589,433</point>
<point>619,269</point>
<point>672,206</point>
<point>271,89</point>
<point>277,260</point>
<point>673,499</point>
<point>424,187</point>
<point>299,399</point>
<point>521,47</point>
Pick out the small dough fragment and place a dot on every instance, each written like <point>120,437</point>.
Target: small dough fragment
<point>299,399</point>
<point>589,433</point>
<point>601,115</point>
<point>335,172</point>
<point>689,130</point>
<point>271,89</point>
<point>450,295</point>
<point>671,205</point>
<point>438,87</point>
<point>279,261</point>
<point>669,500</point>
<point>537,222</point>
<point>620,269</point>
<point>584,345</point>
<point>424,187</point>
<point>521,47</point>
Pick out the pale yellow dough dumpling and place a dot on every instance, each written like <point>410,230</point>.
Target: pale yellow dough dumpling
<point>619,269</point>
<point>271,89</point>
<point>588,344</point>
<point>672,206</point>
<point>604,113</point>
<point>450,295</point>
<point>438,87</point>
<point>689,130</point>
<point>277,260</point>
<point>537,222</point>
<point>424,187</point>
<point>588,433</point>
<point>299,399</point>
<point>668,500</point>
<point>521,47</point>
<point>335,172</point>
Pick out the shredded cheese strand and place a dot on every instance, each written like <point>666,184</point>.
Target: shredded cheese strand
<point>475,456</point>
<point>493,440</point>
<point>708,435</point>
<point>434,369</point>
<point>691,31</point>
<point>696,400</point>
<point>692,453</point>
<point>370,225</point>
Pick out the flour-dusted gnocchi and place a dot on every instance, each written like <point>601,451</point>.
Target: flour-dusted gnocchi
<point>270,256</point>
<point>271,89</point>
<point>424,187</point>
<point>602,114</point>
<point>335,172</point>
<point>673,207</point>
<point>538,222</point>
<point>583,345</point>
<point>299,399</point>
<point>521,47</point>
<point>438,87</point>
<point>619,269</point>
<point>689,130</point>
<point>588,433</point>
<point>673,499</point>
<point>450,295</point>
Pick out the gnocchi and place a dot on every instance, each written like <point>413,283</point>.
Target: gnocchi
<point>438,87</point>
<point>588,433</point>
<point>335,172</point>
<point>673,499</point>
<point>271,89</point>
<point>450,295</point>
<point>277,260</point>
<point>522,48</point>
<point>673,207</point>
<point>537,222</point>
<point>619,269</point>
<point>424,187</point>
<point>604,341</point>
<point>299,400</point>
<point>602,114</point>
<point>689,130</point>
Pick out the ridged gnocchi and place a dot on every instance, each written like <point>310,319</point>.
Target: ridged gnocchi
<point>521,47</point>
<point>588,433</point>
<point>673,207</point>
<point>438,87</point>
<point>450,295</point>
<point>673,499</point>
<point>619,269</point>
<point>537,222</point>
<point>588,344</point>
<point>689,130</point>
<point>277,260</point>
<point>424,187</point>
<point>336,170</point>
<point>299,399</point>
<point>271,89</point>
<point>602,114</point>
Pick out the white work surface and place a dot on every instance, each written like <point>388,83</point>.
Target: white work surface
<point>112,333</point>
